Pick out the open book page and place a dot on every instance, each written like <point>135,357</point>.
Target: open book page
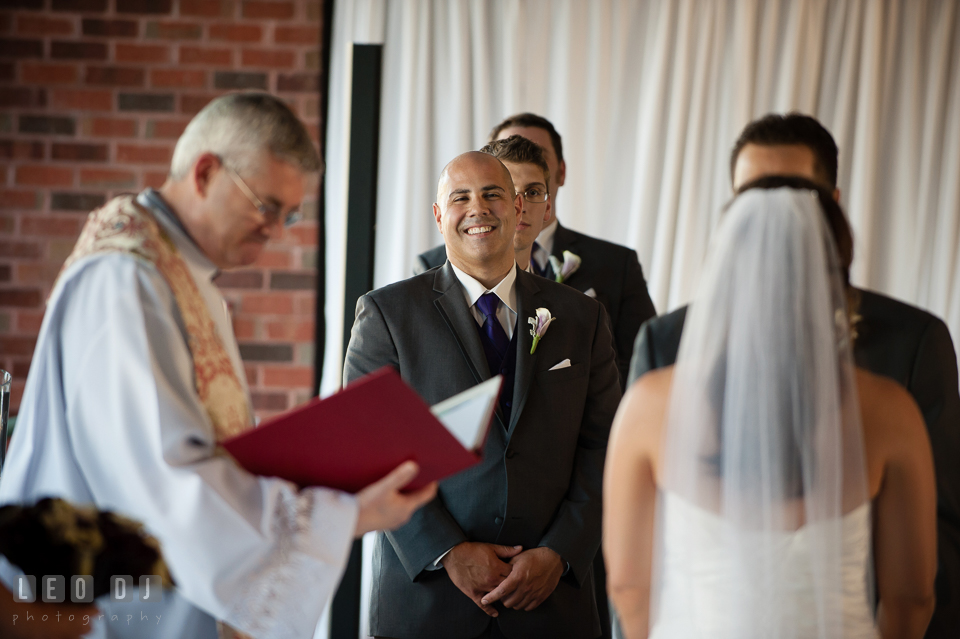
<point>468,414</point>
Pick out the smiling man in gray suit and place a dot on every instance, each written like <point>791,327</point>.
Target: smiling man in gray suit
<point>608,272</point>
<point>505,550</point>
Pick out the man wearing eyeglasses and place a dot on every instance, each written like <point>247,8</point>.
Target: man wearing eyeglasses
<point>137,379</point>
<point>531,177</point>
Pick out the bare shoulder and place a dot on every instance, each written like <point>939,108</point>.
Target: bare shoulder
<point>653,383</point>
<point>888,410</point>
<point>649,396</point>
<point>640,418</point>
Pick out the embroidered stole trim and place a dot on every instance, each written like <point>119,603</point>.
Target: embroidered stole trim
<point>124,226</point>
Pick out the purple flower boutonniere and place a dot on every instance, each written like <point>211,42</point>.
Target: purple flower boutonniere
<point>571,262</point>
<point>540,324</point>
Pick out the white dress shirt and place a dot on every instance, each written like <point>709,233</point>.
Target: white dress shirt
<point>506,290</point>
<point>545,240</point>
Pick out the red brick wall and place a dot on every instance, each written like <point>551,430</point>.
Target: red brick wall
<point>93,95</point>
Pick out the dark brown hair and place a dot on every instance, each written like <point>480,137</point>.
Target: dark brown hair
<point>792,128</point>
<point>832,213</point>
<point>54,537</point>
<point>531,120</point>
<point>519,150</point>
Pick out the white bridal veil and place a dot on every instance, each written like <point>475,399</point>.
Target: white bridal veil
<point>763,448</point>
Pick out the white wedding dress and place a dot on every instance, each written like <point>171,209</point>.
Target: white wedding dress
<point>695,603</point>
<point>763,528</point>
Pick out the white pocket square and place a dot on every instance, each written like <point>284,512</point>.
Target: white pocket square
<point>564,364</point>
<point>590,293</point>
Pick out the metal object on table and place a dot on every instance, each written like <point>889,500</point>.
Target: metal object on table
<point>5,381</point>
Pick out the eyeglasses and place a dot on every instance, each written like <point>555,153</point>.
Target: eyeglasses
<point>535,196</point>
<point>271,214</point>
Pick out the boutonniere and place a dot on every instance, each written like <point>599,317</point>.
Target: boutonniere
<point>571,263</point>
<point>540,324</point>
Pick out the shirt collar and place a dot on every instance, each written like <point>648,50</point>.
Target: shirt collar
<point>545,239</point>
<point>165,216</point>
<point>506,290</point>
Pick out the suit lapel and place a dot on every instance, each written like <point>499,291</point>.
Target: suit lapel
<point>548,272</point>
<point>564,240</point>
<point>528,294</point>
<point>453,307</point>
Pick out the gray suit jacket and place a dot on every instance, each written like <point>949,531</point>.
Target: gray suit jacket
<point>611,270</point>
<point>914,348</point>
<point>539,483</point>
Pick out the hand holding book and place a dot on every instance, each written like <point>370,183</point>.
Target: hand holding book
<point>356,437</point>
<point>383,507</point>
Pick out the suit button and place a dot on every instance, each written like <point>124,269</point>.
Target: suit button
<point>511,453</point>
<point>498,520</point>
<point>508,404</point>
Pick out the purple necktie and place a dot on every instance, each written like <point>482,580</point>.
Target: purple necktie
<point>534,264</point>
<point>494,338</point>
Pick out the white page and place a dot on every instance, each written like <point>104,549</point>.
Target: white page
<point>467,415</point>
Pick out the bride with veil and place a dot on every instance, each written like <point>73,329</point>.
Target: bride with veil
<point>763,485</point>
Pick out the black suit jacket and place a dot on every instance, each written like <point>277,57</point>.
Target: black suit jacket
<point>539,483</point>
<point>611,270</point>
<point>914,348</point>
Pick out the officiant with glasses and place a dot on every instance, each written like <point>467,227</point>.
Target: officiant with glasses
<point>137,378</point>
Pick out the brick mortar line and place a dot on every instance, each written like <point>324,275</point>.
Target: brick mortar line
<point>300,12</point>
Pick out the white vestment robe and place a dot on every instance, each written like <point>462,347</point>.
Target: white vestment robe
<point>110,416</point>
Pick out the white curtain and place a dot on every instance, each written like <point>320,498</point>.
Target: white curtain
<point>649,96</point>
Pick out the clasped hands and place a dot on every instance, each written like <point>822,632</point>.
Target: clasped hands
<point>520,579</point>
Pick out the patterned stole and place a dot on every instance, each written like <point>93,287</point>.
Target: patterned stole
<point>124,226</point>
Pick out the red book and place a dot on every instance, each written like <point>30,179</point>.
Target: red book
<point>353,438</point>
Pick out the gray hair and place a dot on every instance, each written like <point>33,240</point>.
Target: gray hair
<point>239,127</point>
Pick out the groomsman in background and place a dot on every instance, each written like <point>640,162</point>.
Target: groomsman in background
<point>531,177</point>
<point>514,537</point>
<point>893,339</point>
<point>608,272</point>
